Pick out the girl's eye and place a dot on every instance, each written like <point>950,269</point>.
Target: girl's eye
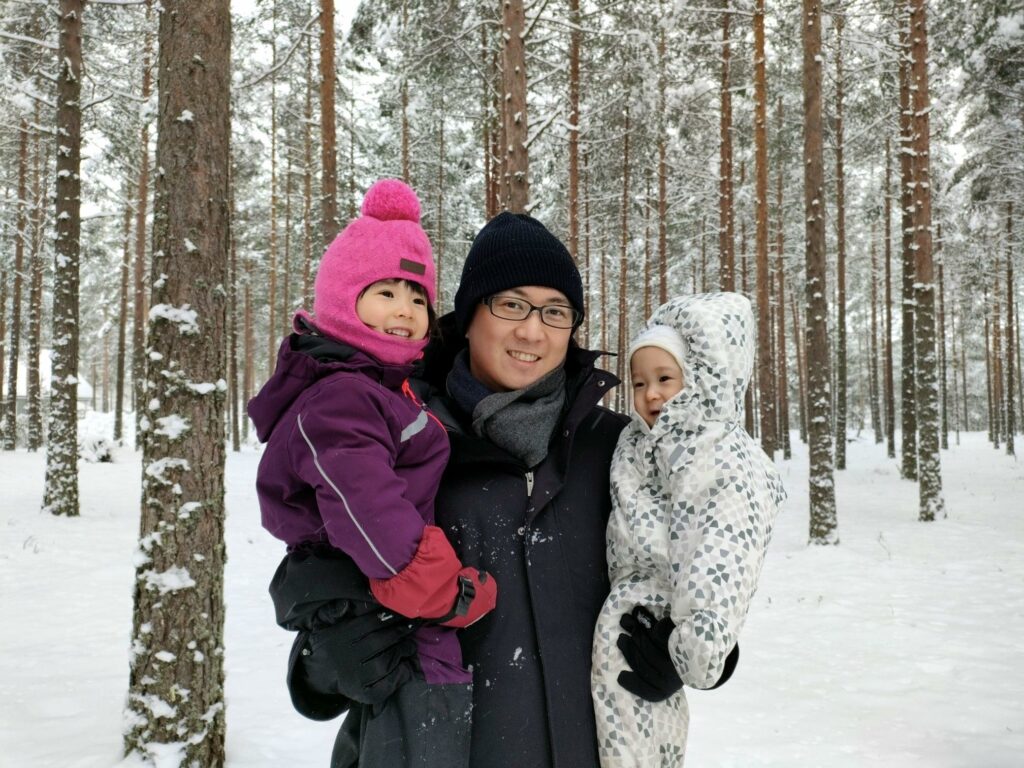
<point>387,293</point>
<point>420,301</point>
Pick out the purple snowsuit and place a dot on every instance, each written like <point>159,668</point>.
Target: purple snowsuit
<point>352,459</point>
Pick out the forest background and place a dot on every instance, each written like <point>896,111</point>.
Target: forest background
<point>856,167</point>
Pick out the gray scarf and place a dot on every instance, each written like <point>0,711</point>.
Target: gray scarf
<point>519,422</point>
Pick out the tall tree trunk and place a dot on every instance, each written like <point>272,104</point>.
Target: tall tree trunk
<point>823,523</point>
<point>139,298</point>
<point>925,364</point>
<point>623,335</point>
<point>647,245</point>
<point>35,299</point>
<point>307,185</point>
<point>963,371</point>
<point>122,326</point>
<point>404,89</point>
<point>765,362</point>
<point>662,170</point>
<point>516,192</point>
<point>1011,424</point>
<point>780,271</point>
<point>439,240</point>
<point>10,425</point>
<point>841,374</point>
<point>179,607</point>
<point>60,493</point>
<point>801,366</point>
<point>232,319</point>
<point>876,410</point>
<point>726,235</point>
<point>997,358</point>
<point>956,371</point>
<point>272,321</point>
<point>328,131</point>
<point>990,410</point>
<point>586,246</point>
<point>907,404</point>
<point>943,378</point>
<point>575,37</point>
<point>249,347</point>
<point>890,386</point>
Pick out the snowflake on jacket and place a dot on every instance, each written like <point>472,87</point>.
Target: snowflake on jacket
<point>693,502</point>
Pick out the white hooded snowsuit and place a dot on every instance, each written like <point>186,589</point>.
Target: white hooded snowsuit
<point>693,502</point>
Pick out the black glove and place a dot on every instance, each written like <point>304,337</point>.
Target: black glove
<point>653,676</point>
<point>365,656</point>
<point>730,666</point>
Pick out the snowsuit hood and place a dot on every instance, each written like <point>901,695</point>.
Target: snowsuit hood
<point>715,374</point>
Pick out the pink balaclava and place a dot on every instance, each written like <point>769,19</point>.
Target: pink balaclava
<point>386,242</point>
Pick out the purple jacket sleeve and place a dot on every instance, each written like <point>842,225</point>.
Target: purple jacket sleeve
<point>344,444</point>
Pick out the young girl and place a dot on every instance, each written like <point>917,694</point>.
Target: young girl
<point>353,460</point>
<point>693,502</point>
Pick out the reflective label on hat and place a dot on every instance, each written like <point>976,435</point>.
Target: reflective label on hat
<point>412,266</point>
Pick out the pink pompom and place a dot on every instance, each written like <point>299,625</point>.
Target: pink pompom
<point>391,200</point>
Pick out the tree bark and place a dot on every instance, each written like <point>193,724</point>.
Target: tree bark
<point>890,387</point>
<point>925,364</point>
<point>876,410</point>
<point>907,404</point>
<point>823,523</point>
<point>10,425</point>
<point>662,172</point>
<point>122,327</point>
<point>801,367</point>
<point>35,300</point>
<point>765,361</point>
<point>1011,425</point>
<point>176,697</point>
<point>139,298</point>
<point>841,351</point>
<point>328,133</point>
<point>726,234</point>
<point>516,186</point>
<point>575,39</point>
<point>60,493</point>
<point>623,335</point>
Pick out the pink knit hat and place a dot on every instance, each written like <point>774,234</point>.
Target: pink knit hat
<point>385,243</point>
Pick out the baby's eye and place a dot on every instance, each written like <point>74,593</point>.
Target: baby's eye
<point>666,378</point>
<point>638,385</point>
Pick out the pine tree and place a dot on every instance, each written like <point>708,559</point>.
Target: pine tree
<point>176,696</point>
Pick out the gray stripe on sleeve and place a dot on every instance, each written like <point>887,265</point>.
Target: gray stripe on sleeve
<point>415,428</point>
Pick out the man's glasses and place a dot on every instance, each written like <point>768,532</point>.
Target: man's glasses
<point>514,308</point>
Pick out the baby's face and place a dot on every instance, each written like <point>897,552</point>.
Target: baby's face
<point>656,377</point>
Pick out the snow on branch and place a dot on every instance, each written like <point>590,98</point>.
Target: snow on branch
<point>284,60</point>
<point>26,39</point>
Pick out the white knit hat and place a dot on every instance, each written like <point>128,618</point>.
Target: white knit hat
<point>662,337</point>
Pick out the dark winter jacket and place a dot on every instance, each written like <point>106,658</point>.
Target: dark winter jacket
<point>353,459</point>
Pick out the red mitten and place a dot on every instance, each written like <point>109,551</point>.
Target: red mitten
<point>435,585</point>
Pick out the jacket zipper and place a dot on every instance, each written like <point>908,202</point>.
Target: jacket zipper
<point>529,484</point>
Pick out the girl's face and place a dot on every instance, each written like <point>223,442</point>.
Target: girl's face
<point>395,308</point>
<point>656,377</point>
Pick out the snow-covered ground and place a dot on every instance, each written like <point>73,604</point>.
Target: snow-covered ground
<point>900,647</point>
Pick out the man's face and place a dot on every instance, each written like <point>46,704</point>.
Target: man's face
<point>512,354</point>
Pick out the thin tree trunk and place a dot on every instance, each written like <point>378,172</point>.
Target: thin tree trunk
<point>662,171</point>
<point>575,38</point>
<point>963,372</point>
<point>1011,425</point>
<point>179,602</point>
<point>623,340</point>
<point>307,185</point>
<point>823,523</point>
<point>801,367</point>
<point>10,426</point>
<point>586,246</point>
<point>35,300</point>
<point>328,132</point>
<point>647,245</point>
<point>929,469</point>
<point>60,493</point>
<point>997,359</point>
<point>943,378</point>
<point>988,373</point>
<point>748,397</point>
<point>726,239</point>
<point>956,370</point>
<point>765,361</point>
<point>232,318</point>
<point>907,403</point>
<point>249,347</point>
<point>780,271</point>
<point>439,240</point>
<point>286,268</point>
<point>406,173</point>
<point>876,418</point>
<point>516,193</point>
<point>841,352</point>
<point>139,298</point>
<point>122,327</point>
<point>890,387</point>
<point>272,320</point>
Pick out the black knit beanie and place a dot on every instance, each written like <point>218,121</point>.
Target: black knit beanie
<point>514,249</point>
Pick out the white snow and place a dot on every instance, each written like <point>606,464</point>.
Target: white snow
<point>899,648</point>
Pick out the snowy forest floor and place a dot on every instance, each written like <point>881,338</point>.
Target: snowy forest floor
<point>899,647</point>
